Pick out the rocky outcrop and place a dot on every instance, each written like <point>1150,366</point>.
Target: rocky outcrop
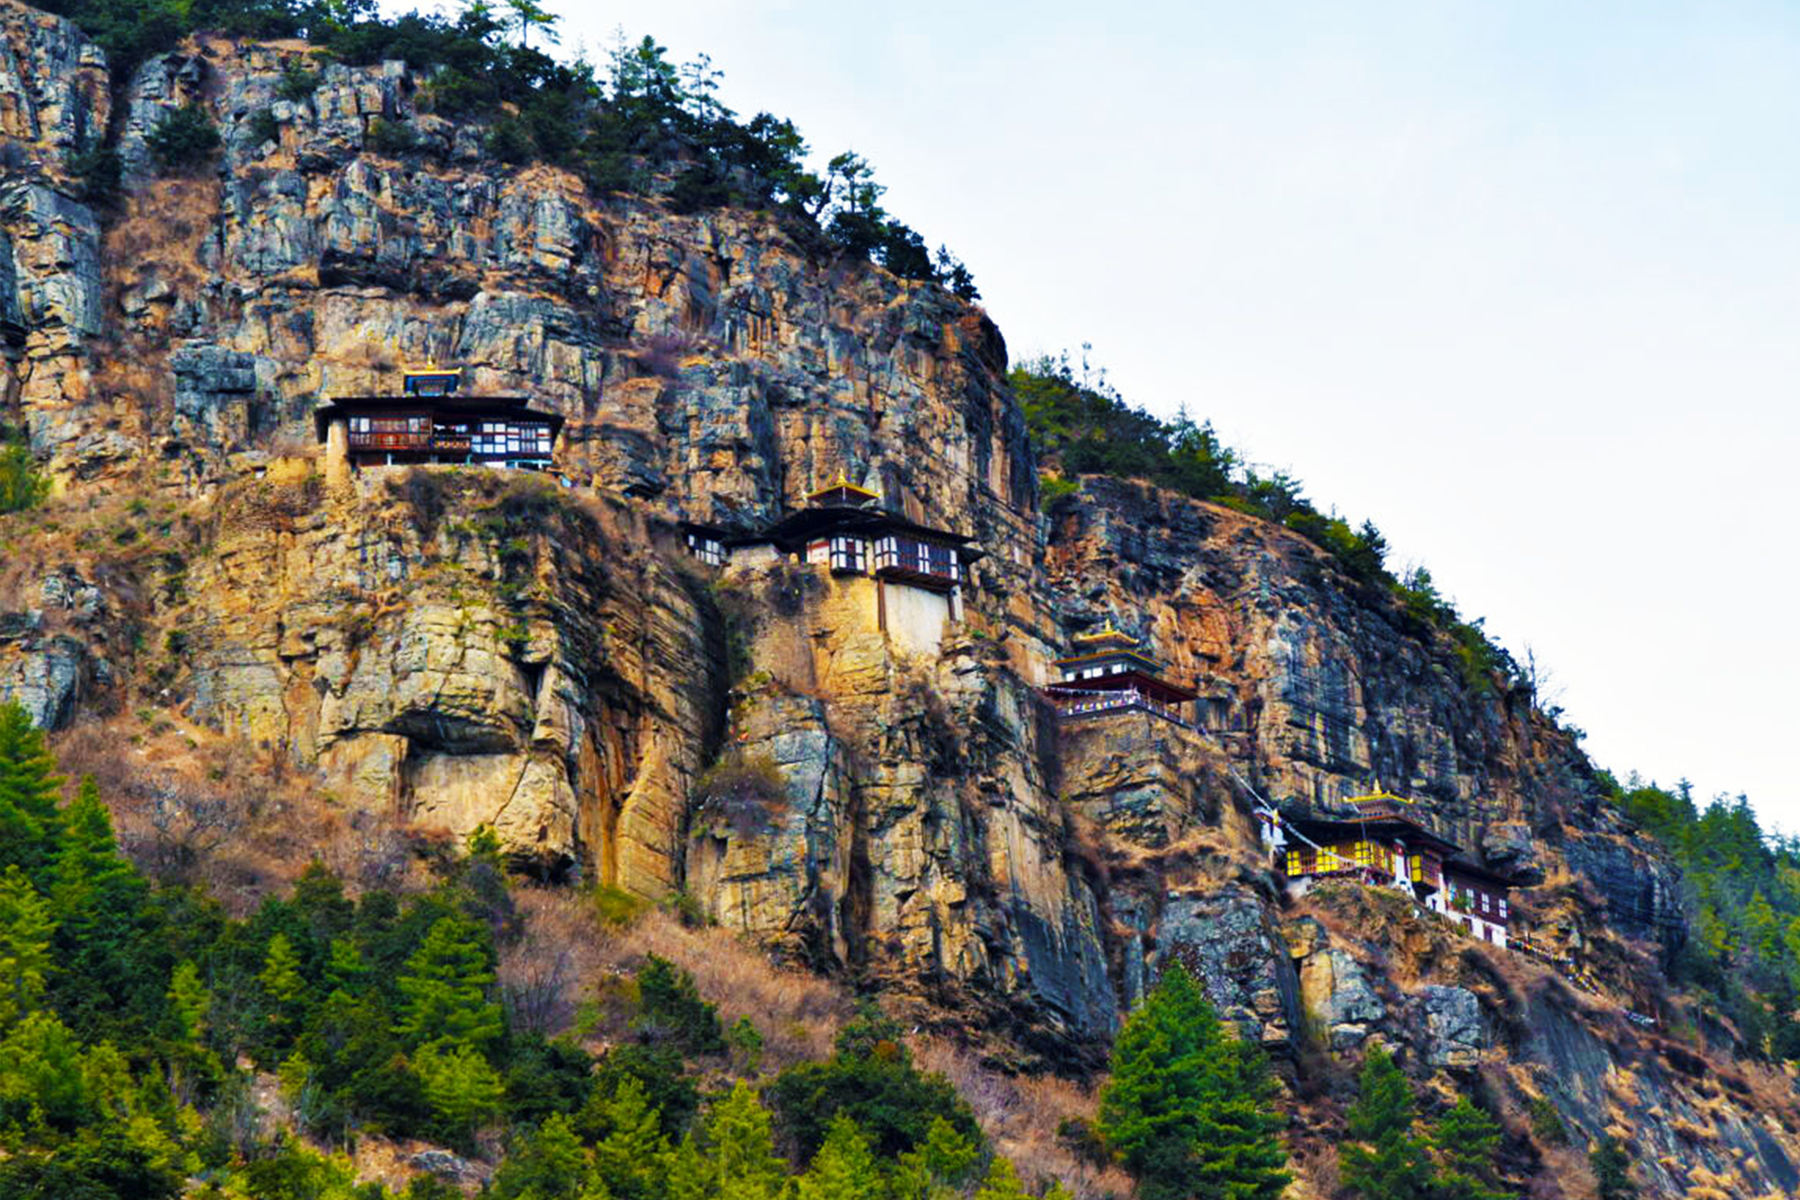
<point>54,656</point>
<point>460,650</point>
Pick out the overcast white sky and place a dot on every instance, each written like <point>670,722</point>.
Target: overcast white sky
<point>1520,281</point>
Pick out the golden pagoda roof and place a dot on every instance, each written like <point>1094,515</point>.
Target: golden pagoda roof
<point>842,484</point>
<point>1108,633</point>
<point>430,368</point>
<point>1379,795</point>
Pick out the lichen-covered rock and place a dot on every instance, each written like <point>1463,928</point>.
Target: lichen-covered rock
<point>1227,941</point>
<point>54,88</point>
<point>463,649</point>
<point>1334,989</point>
<point>1454,1033</point>
<point>44,676</point>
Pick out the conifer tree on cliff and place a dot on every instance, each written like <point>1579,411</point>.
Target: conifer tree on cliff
<point>1188,1108</point>
<point>1612,1170</point>
<point>29,790</point>
<point>1384,1159</point>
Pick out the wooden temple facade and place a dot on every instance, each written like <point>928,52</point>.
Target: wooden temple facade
<point>1384,842</point>
<point>916,572</point>
<point>432,423</point>
<point>1108,672</point>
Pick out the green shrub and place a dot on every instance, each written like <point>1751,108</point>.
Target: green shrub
<point>872,1079</point>
<point>392,138</point>
<point>746,1041</point>
<point>297,84</point>
<point>617,907</point>
<point>99,171</point>
<point>672,1011</point>
<point>21,487</point>
<point>183,139</point>
<point>697,189</point>
<point>1054,489</point>
<point>1546,1123</point>
<point>508,141</point>
<point>263,127</point>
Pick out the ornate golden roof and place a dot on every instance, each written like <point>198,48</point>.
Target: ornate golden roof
<point>842,484</point>
<point>1108,633</point>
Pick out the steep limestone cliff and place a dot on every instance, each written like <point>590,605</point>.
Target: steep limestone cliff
<point>450,648</point>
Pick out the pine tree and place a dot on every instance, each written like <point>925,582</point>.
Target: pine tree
<point>26,932</point>
<point>345,972</point>
<point>29,789</point>
<point>1762,929</point>
<point>1467,1140</point>
<point>843,1169</point>
<point>459,1085</point>
<point>741,1159</point>
<point>631,1159</point>
<point>1384,1160</point>
<point>189,1002</point>
<point>690,1176</point>
<point>1189,1105</point>
<point>90,874</point>
<point>445,987</point>
<point>551,1165</point>
<point>192,1064</point>
<point>1612,1170</point>
<point>282,983</point>
<point>113,977</point>
<point>1002,1182</point>
<point>939,1164</point>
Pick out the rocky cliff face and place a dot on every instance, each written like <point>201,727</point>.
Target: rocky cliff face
<point>449,648</point>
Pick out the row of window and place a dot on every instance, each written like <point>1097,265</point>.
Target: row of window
<point>852,554</point>
<point>707,550</point>
<point>512,439</point>
<point>1367,854</point>
<point>1339,858</point>
<point>1471,900</point>
<point>1118,668</point>
<point>911,554</point>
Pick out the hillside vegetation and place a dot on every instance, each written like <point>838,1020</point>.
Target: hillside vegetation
<point>1080,425</point>
<point>140,1026</point>
<point>1742,892</point>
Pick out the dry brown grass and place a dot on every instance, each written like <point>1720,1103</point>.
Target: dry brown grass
<point>192,806</point>
<point>1023,1115</point>
<point>161,229</point>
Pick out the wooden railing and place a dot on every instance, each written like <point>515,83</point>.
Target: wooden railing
<point>1090,703</point>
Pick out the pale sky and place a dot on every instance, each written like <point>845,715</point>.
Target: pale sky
<point>1519,281</point>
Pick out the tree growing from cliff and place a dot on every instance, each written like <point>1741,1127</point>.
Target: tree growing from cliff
<point>1612,1170</point>
<point>1467,1142</point>
<point>20,485</point>
<point>1188,1109</point>
<point>183,140</point>
<point>1384,1159</point>
<point>29,820</point>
